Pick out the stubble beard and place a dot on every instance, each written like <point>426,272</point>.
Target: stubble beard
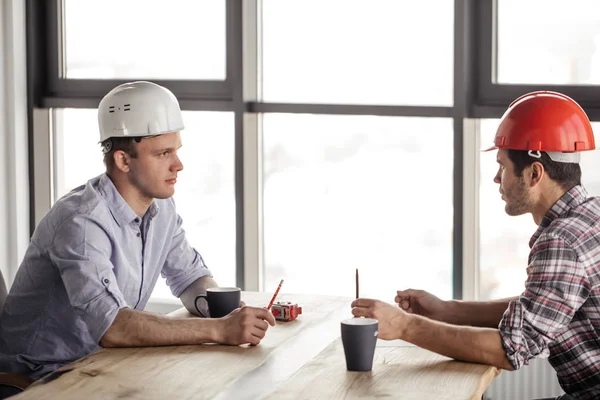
<point>517,201</point>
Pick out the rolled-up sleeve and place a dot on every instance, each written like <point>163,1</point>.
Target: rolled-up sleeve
<point>183,264</point>
<point>555,289</point>
<point>81,251</point>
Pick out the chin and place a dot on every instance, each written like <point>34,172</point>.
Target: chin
<point>513,212</point>
<point>166,194</point>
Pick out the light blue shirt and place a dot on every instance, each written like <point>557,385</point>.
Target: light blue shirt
<point>90,256</point>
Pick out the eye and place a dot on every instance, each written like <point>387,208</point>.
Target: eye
<point>164,153</point>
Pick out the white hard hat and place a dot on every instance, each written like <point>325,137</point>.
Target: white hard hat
<point>138,109</point>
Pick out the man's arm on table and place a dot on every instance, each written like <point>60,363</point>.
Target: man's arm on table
<point>132,328</point>
<point>485,314</point>
<point>457,312</point>
<point>465,343</point>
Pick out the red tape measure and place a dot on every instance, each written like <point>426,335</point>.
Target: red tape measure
<point>286,311</point>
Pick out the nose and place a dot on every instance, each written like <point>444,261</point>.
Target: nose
<point>177,164</point>
<point>497,177</point>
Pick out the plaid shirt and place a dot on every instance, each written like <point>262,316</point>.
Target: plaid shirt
<point>558,315</point>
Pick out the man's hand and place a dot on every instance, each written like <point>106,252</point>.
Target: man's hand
<point>422,303</point>
<point>244,325</point>
<point>391,319</point>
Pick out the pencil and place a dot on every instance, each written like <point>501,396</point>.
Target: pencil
<point>274,295</point>
<point>357,283</point>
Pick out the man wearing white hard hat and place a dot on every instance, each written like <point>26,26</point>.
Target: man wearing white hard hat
<point>94,259</point>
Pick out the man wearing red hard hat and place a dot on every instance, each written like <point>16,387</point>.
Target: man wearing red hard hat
<point>539,141</point>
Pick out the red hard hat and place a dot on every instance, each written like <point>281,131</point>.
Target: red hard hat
<point>544,121</point>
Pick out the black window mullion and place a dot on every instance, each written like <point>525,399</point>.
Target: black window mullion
<point>464,60</point>
<point>82,92</point>
<point>492,97</point>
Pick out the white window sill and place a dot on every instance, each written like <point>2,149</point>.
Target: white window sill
<point>163,305</point>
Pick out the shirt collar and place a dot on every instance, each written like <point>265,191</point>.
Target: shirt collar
<point>120,210</point>
<point>153,210</point>
<point>571,199</point>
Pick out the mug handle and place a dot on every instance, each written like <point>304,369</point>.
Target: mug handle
<point>203,296</point>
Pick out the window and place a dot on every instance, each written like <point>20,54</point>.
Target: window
<point>548,42</point>
<point>333,56</point>
<point>205,189</point>
<point>151,39</point>
<point>346,192</point>
<point>504,240</point>
<point>353,52</point>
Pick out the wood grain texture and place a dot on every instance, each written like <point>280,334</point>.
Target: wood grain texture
<point>403,372</point>
<point>181,372</point>
<point>297,359</point>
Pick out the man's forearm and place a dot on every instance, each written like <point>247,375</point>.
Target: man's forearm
<point>199,286</point>
<point>485,314</point>
<point>479,345</point>
<point>132,328</point>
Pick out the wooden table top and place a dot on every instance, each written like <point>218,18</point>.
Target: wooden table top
<point>300,359</point>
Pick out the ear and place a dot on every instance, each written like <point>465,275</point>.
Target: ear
<point>537,173</point>
<point>121,160</point>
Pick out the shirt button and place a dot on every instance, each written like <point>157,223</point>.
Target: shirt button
<point>136,220</point>
<point>106,280</point>
<point>138,234</point>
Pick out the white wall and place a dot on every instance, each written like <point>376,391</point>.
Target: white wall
<point>14,179</point>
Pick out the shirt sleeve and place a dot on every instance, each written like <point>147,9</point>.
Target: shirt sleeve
<point>183,264</point>
<point>555,289</point>
<point>81,251</point>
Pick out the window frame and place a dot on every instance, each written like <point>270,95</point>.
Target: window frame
<point>60,91</point>
<point>492,97</point>
<point>475,95</point>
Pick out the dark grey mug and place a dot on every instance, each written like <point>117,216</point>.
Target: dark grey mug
<point>359,336</point>
<point>221,301</point>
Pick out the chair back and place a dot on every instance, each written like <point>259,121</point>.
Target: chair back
<point>3,291</point>
<point>10,383</point>
<point>13,383</point>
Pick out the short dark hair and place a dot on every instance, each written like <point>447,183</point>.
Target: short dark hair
<point>566,175</point>
<point>126,144</point>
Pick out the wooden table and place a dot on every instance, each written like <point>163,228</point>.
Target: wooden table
<point>300,359</point>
